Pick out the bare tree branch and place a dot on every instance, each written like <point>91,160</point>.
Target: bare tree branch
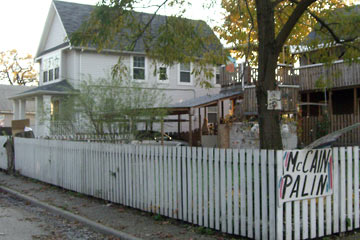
<point>140,34</point>
<point>336,38</point>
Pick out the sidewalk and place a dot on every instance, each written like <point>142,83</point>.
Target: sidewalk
<point>126,220</point>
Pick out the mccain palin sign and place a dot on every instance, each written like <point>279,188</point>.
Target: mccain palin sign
<point>306,174</point>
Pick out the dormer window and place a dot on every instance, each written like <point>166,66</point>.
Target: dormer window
<point>138,68</point>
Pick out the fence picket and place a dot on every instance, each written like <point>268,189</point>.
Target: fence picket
<point>217,190</point>
<point>170,188</point>
<point>195,185</point>
<point>279,210</point>
<point>249,193</point>
<point>189,185</point>
<point>229,194</point>
<point>200,186</point>
<point>161,181</point>
<point>336,190</point>
<point>356,187</point>
<point>211,188</point>
<point>243,194</point>
<point>264,194</point>
<point>342,191</point>
<point>257,194</point>
<point>320,217</point>
<point>349,178</point>
<point>272,196</point>
<point>223,190</point>
<point>288,222</point>
<point>297,220</point>
<point>179,199</point>
<point>206,186</point>
<point>184,183</point>
<point>236,191</point>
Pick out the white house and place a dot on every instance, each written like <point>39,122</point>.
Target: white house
<point>63,66</point>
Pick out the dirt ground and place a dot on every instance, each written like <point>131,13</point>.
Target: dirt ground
<point>131,221</point>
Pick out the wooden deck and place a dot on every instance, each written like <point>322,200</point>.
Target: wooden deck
<point>289,99</point>
<point>247,76</point>
<point>339,73</point>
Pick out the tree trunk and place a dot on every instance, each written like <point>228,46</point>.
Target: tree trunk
<point>269,120</point>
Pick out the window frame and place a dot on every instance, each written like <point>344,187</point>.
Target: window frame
<point>179,75</point>
<point>51,67</point>
<point>45,76</point>
<point>215,75</point>
<point>167,68</point>
<point>133,68</point>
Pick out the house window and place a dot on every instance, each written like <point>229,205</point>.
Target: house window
<point>56,73</point>
<point>212,115</point>
<point>139,68</point>
<point>45,76</point>
<point>185,73</point>
<point>163,74</point>
<point>51,68</point>
<point>217,75</point>
<point>51,75</point>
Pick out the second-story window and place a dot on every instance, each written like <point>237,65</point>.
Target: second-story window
<point>185,73</point>
<point>163,76</point>
<point>45,76</point>
<point>51,75</point>
<point>51,68</point>
<point>217,75</point>
<point>139,68</point>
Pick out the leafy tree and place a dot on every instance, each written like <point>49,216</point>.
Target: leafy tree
<point>16,68</point>
<point>111,106</point>
<point>258,28</point>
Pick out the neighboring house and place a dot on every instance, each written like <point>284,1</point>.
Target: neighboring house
<point>63,66</point>
<point>7,106</point>
<point>331,89</point>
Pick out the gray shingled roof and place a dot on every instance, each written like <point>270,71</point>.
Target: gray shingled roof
<point>74,14</point>
<point>7,91</point>
<point>54,88</point>
<point>206,99</point>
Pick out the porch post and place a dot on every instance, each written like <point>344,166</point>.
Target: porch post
<point>16,109</point>
<point>308,106</point>
<point>47,114</point>
<point>330,103</point>
<point>179,125</point>
<point>355,102</point>
<point>22,107</point>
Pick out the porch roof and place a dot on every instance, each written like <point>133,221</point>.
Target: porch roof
<point>203,101</point>
<point>62,87</point>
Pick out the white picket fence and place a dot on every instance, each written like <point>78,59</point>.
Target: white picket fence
<point>233,191</point>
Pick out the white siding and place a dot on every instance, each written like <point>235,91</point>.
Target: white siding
<point>56,35</point>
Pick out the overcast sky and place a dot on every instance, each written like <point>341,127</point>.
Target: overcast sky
<point>22,21</point>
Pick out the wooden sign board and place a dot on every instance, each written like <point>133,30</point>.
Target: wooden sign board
<point>306,173</point>
<point>19,125</point>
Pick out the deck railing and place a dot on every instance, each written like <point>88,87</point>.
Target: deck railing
<point>247,76</point>
<point>337,74</point>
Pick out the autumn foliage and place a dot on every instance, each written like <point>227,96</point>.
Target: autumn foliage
<point>16,68</point>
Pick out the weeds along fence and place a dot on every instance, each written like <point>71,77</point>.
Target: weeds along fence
<point>233,191</point>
